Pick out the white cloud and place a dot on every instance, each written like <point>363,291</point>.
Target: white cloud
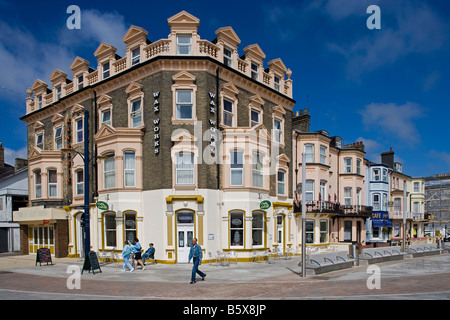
<point>11,155</point>
<point>413,29</point>
<point>443,157</point>
<point>395,122</point>
<point>21,50</point>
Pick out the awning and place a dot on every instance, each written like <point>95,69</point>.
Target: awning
<point>381,223</point>
<point>377,223</point>
<point>38,214</point>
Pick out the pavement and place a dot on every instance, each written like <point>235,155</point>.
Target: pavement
<point>426,278</point>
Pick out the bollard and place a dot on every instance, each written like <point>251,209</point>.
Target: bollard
<point>355,253</point>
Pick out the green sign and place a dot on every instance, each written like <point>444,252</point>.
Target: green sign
<point>265,204</point>
<point>102,205</point>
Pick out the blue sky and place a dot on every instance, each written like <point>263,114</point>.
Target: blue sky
<point>387,87</point>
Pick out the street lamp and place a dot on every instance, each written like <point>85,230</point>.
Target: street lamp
<point>86,160</point>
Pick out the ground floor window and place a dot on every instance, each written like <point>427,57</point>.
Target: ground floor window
<point>42,237</point>
<point>109,220</point>
<point>236,228</point>
<point>130,226</point>
<point>257,228</point>
<point>323,231</point>
<point>309,231</point>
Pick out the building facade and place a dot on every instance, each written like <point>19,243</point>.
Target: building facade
<point>13,195</point>
<point>437,205</point>
<point>187,139</point>
<point>336,209</point>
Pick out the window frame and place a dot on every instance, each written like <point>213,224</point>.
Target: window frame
<point>226,112</point>
<point>127,171</point>
<point>52,186</point>
<point>236,169</point>
<point>348,163</point>
<point>109,173</point>
<point>184,45</point>
<point>179,104</point>
<point>259,172</point>
<point>259,229</point>
<point>235,228</point>
<point>282,183</point>
<point>37,186</point>
<point>135,58</point>
<point>228,59</point>
<point>58,140</point>
<point>106,73</point>
<point>79,183</point>
<point>254,71</point>
<point>134,114</point>
<point>309,156</point>
<point>178,170</point>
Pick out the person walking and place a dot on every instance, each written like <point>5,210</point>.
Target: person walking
<point>126,252</point>
<point>137,254</point>
<point>196,255</point>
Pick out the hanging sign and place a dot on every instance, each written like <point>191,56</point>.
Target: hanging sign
<point>102,205</point>
<point>265,204</point>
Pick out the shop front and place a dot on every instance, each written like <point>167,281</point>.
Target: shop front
<point>43,228</point>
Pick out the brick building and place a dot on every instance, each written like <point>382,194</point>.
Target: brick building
<point>193,137</point>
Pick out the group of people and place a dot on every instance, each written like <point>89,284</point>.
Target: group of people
<point>195,254</point>
<point>138,258</point>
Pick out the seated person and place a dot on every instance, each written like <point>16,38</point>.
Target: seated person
<point>149,254</point>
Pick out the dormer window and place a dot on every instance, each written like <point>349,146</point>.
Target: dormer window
<point>80,82</point>
<point>39,102</point>
<point>227,57</point>
<point>106,70</point>
<point>276,83</point>
<point>184,45</point>
<point>254,71</point>
<point>135,56</point>
<point>58,92</point>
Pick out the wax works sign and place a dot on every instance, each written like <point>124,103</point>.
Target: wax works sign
<point>156,122</point>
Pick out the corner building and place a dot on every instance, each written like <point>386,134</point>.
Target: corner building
<point>190,138</point>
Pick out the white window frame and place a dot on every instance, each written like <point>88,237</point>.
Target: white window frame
<point>106,72</point>
<point>40,144</point>
<point>79,138</point>
<point>358,166</point>
<point>58,138</point>
<point>376,204</point>
<point>276,83</point>
<point>278,132</point>
<point>253,122</point>
<point>185,168</point>
<point>376,174</point>
<point>103,116</point>
<point>37,186</point>
<point>281,182</point>
<point>187,45</point>
<point>52,186</point>
<point>79,191</point>
<point>129,171</point>
<point>309,154</point>
<point>254,71</point>
<point>348,165</point>
<point>135,114</point>
<point>109,173</point>
<point>228,59</point>
<point>180,104</point>
<point>323,155</point>
<point>135,58</point>
<point>80,83</point>
<point>348,196</point>
<point>309,191</point>
<point>239,167</point>
<point>39,102</point>
<point>258,172</point>
<point>227,112</point>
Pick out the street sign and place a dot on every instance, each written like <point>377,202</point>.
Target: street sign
<point>265,204</point>
<point>102,205</point>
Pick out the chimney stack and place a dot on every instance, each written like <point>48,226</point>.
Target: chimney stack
<point>387,158</point>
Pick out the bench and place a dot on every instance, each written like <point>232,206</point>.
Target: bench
<point>381,254</point>
<point>327,261</point>
<point>420,250</point>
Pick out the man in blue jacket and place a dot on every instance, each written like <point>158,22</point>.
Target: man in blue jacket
<point>196,255</point>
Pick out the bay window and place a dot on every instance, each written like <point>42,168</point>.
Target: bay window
<point>237,168</point>
<point>130,169</point>
<point>109,172</point>
<point>184,104</point>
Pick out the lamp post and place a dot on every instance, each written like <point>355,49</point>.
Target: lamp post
<point>86,160</point>
<point>303,214</point>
